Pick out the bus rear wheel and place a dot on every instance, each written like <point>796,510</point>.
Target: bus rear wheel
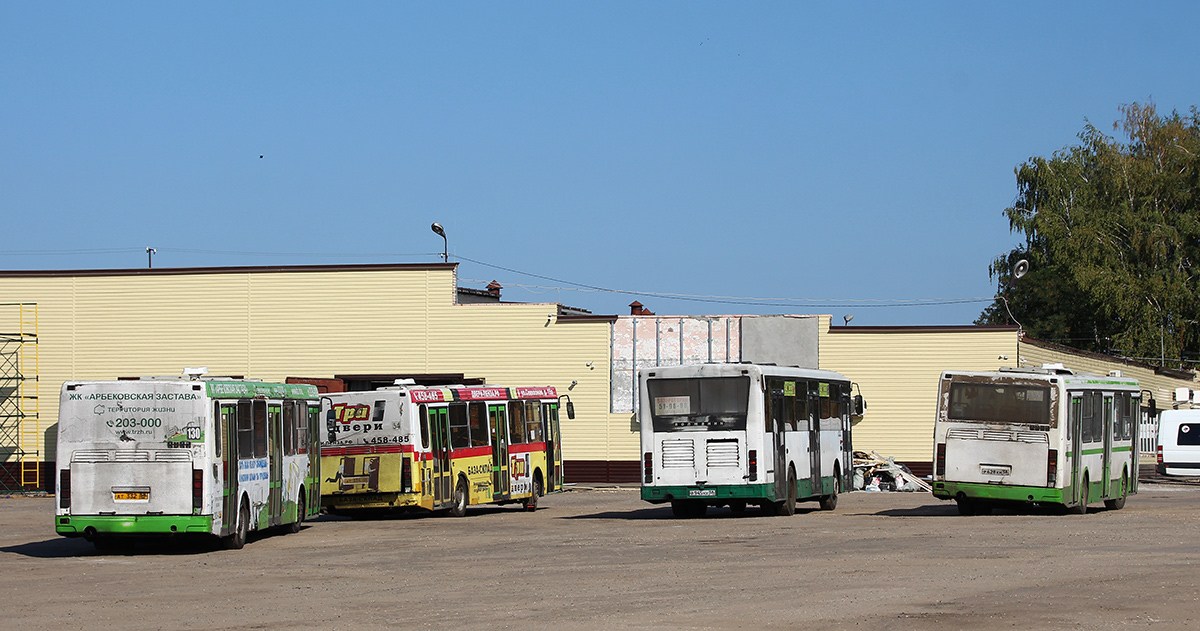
<point>241,529</point>
<point>294,527</point>
<point>531,502</point>
<point>1081,508</point>
<point>829,502</point>
<point>1117,503</point>
<point>787,506</point>
<point>967,506</point>
<point>461,499</point>
<point>688,509</point>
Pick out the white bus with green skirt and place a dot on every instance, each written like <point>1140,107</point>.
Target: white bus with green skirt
<point>184,456</point>
<point>744,434</point>
<point>1044,436</point>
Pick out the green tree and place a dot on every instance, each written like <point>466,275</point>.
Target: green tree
<point>1112,234</point>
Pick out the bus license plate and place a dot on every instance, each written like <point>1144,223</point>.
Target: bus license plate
<point>130,495</point>
<point>993,469</point>
<point>702,493</point>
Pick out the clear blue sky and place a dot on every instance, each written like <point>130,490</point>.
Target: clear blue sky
<point>795,152</point>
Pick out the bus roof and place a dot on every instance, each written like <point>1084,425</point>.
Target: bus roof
<point>446,394</point>
<point>227,389</point>
<point>723,370</point>
<point>1068,378</point>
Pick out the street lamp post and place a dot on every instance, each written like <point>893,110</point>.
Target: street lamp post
<point>438,230</point>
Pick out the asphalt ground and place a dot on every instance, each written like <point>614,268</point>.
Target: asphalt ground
<point>601,558</point>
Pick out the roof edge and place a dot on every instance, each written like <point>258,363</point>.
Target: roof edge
<point>952,328</point>
<point>243,269</point>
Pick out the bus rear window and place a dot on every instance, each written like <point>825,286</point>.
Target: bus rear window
<point>999,403</point>
<point>1189,434</point>
<point>697,405</point>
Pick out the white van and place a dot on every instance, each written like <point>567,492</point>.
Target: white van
<point>1179,438</point>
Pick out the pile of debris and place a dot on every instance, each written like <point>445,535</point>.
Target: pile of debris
<point>873,472</point>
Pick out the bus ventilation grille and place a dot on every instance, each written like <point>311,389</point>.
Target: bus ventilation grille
<point>723,453</point>
<point>678,453</point>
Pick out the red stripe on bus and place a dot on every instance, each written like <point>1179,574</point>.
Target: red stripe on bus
<point>470,452</point>
<point>355,450</point>
<point>526,448</point>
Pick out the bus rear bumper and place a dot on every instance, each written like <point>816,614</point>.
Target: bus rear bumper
<point>90,525</point>
<point>712,494</point>
<point>997,492</point>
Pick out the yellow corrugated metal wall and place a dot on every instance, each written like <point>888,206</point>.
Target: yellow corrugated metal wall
<point>897,370</point>
<point>278,324</point>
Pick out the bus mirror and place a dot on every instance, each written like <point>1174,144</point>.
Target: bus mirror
<point>570,410</point>
<point>860,405</point>
<point>331,426</point>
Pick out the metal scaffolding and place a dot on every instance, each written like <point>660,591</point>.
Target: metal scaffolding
<point>20,426</point>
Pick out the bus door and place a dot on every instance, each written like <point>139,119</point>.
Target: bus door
<point>1075,429</point>
<point>439,426</point>
<point>778,438</point>
<point>1106,465</point>
<point>311,444</point>
<point>847,447</point>
<point>275,463</point>
<point>553,447</point>
<point>229,468</point>
<point>497,418</point>
<point>814,439</point>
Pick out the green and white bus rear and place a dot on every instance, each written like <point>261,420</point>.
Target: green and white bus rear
<point>1035,436</point>
<point>739,434</point>
<point>185,456</point>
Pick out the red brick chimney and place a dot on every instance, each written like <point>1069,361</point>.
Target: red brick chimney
<point>636,308</point>
<point>494,289</point>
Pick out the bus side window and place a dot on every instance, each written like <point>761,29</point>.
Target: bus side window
<point>377,414</point>
<point>460,433</point>
<point>480,436</point>
<point>516,422</point>
<point>1089,413</point>
<point>533,422</point>
<point>259,419</point>
<point>314,413</point>
<point>245,433</point>
<point>289,428</point>
<point>1075,415</point>
<point>424,414</point>
<point>803,423</point>
<point>217,425</point>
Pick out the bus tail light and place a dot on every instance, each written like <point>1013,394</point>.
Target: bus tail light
<point>64,488</point>
<point>752,464</point>
<point>406,474</point>
<point>940,464</point>
<point>648,467</point>
<point>197,489</point>
<point>1052,468</point>
<point>1159,452</point>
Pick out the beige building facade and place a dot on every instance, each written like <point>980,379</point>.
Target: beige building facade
<point>318,322</point>
<point>273,323</point>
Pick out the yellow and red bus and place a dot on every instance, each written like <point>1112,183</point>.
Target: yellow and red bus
<point>408,447</point>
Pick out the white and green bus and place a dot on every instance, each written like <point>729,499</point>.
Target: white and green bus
<point>185,456</point>
<point>739,434</point>
<point>1042,436</point>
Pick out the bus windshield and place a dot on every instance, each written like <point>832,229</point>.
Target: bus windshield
<point>691,405</point>
<point>999,403</point>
